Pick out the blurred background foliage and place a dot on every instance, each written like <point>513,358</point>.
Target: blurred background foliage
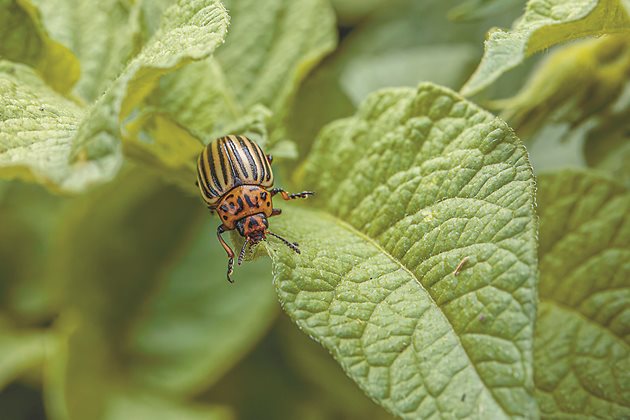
<point>113,304</point>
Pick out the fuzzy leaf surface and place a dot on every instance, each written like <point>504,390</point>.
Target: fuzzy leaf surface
<point>582,346</point>
<point>414,183</point>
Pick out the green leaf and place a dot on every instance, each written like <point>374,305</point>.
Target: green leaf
<point>25,40</point>
<point>74,149</point>
<point>37,126</point>
<point>101,34</point>
<point>415,183</point>
<point>319,370</point>
<point>544,24</point>
<point>582,346</point>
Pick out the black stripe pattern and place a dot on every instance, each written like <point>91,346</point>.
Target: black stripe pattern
<point>228,162</point>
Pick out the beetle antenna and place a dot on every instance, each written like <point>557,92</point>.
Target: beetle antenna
<point>292,245</point>
<point>241,255</point>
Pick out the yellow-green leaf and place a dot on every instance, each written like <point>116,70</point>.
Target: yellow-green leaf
<point>37,128</point>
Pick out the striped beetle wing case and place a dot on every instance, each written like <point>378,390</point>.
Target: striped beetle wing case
<point>228,162</point>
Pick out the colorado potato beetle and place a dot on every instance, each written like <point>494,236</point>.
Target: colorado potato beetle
<point>235,179</point>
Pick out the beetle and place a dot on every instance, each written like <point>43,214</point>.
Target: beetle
<point>235,179</point>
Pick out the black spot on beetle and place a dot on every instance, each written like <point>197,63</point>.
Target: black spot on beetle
<point>249,201</point>
<point>224,217</point>
<point>263,195</point>
<point>268,203</point>
<point>224,207</point>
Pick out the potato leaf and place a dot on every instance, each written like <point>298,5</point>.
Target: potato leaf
<point>418,183</point>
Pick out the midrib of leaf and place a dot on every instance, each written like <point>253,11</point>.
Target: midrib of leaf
<point>353,230</point>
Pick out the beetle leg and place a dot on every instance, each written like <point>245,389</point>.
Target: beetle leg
<point>269,158</point>
<point>292,245</point>
<point>242,254</point>
<point>286,196</point>
<point>276,212</point>
<point>229,251</point>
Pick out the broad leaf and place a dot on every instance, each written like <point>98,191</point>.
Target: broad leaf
<point>545,24</point>
<point>25,40</point>
<point>86,147</point>
<point>582,347</point>
<point>37,127</point>
<point>418,183</point>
